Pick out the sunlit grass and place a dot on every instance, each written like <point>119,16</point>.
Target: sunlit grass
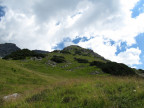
<point>66,85</point>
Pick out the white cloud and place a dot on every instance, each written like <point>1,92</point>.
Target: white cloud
<point>130,56</point>
<point>103,47</point>
<point>42,24</point>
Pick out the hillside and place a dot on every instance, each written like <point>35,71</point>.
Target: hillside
<point>77,50</point>
<point>73,77</point>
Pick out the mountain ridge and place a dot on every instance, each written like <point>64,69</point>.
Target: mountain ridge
<point>7,48</point>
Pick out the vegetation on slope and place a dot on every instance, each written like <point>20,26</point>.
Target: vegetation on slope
<point>22,54</point>
<point>80,60</point>
<point>114,68</point>
<point>48,83</point>
<point>58,59</point>
<point>77,50</point>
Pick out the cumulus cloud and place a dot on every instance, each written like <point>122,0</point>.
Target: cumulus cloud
<point>130,56</point>
<point>106,49</point>
<point>42,24</point>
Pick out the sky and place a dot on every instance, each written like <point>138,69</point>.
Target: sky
<point>112,28</point>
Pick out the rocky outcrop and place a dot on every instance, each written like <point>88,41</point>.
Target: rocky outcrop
<point>7,48</point>
<point>77,50</point>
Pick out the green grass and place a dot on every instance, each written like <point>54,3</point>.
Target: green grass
<point>66,85</point>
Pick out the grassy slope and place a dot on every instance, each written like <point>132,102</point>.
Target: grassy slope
<point>66,85</point>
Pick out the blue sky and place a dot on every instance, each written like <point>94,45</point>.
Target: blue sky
<point>113,29</point>
<point>136,11</point>
<point>2,13</point>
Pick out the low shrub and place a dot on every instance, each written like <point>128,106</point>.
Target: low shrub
<point>68,99</point>
<point>1,101</point>
<point>80,60</point>
<point>22,54</point>
<point>38,97</point>
<point>78,52</point>
<point>114,68</point>
<point>58,59</point>
<point>97,63</point>
<point>117,69</point>
<point>141,71</point>
<point>65,52</point>
<point>56,51</point>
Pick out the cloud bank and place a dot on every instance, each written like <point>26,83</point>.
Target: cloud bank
<point>42,24</point>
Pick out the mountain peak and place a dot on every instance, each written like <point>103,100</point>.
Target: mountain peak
<point>7,48</point>
<point>75,49</point>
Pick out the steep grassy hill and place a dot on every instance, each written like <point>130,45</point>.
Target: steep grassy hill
<point>68,79</point>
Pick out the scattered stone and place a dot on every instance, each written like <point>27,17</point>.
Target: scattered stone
<point>51,63</point>
<point>36,58</point>
<point>64,66</point>
<point>69,70</point>
<point>11,97</point>
<point>95,73</point>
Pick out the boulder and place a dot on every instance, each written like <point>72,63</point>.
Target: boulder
<point>11,97</point>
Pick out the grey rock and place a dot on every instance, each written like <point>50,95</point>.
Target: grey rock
<point>95,73</point>
<point>11,97</point>
<point>36,58</point>
<point>7,48</point>
<point>64,66</point>
<point>51,63</point>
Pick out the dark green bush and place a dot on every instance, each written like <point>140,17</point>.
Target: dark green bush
<point>68,99</point>
<point>38,97</point>
<point>141,71</point>
<point>65,52</point>
<point>117,69</point>
<point>114,68</point>
<point>78,52</point>
<point>22,54</point>
<point>58,59</point>
<point>56,51</point>
<point>1,101</point>
<point>80,60</point>
<point>97,63</point>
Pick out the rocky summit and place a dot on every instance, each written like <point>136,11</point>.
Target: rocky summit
<point>7,48</point>
<point>77,50</point>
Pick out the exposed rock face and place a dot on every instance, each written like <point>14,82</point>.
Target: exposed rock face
<point>7,48</point>
<point>40,51</point>
<point>51,63</point>
<point>74,49</point>
<point>94,73</point>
